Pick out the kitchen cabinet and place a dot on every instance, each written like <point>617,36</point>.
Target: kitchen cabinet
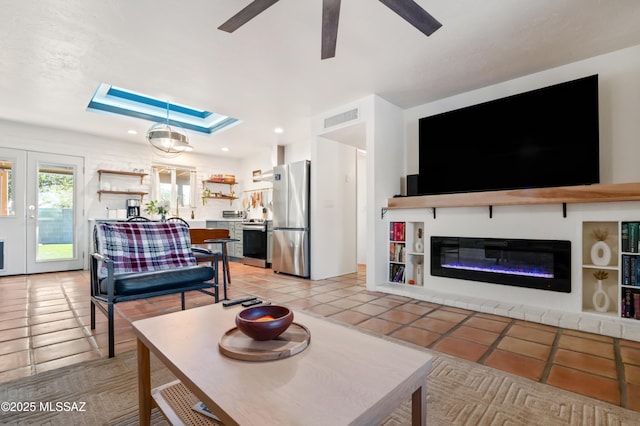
<point>235,231</point>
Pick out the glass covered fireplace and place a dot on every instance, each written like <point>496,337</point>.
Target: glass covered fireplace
<point>540,264</point>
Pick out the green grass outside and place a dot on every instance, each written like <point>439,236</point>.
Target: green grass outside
<point>55,251</point>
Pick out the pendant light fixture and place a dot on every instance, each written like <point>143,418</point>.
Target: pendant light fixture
<point>172,141</point>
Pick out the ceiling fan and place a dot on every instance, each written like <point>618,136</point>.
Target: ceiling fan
<point>409,10</point>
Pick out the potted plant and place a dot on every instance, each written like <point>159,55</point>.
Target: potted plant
<point>157,207</point>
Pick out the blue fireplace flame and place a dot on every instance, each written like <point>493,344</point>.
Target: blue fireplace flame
<point>500,269</point>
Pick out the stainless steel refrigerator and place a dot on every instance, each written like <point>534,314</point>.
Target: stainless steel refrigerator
<point>291,219</point>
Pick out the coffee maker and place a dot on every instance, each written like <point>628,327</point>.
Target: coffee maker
<point>133,208</point>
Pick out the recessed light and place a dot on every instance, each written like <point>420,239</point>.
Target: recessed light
<point>225,149</point>
<point>278,130</point>
<point>132,132</point>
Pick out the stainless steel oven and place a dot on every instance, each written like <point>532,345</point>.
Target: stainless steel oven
<point>254,243</point>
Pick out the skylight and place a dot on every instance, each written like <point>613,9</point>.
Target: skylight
<point>131,104</point>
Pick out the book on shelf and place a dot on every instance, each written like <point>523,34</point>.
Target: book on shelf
<point>630,304</point>
<point>626,304</point>
<point>397,252</point>
<point>397,231</point>
<point>626,269</point>
<point>634,230</point>
<point>624,237</point>
<point>396,273</point>
<point>399,278</point>
<point>630,270</point>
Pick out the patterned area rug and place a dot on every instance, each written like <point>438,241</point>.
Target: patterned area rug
<point>458,393</point>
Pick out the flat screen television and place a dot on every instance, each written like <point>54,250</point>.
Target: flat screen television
<point>542,138</point>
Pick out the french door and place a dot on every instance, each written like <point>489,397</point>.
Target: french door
<point>41,212</point>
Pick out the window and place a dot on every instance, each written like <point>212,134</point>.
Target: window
<point>117,100</point>
<point>175,184</point>
<point>7,189</point>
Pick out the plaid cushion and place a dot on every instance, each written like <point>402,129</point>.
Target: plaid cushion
<point>143,246</point>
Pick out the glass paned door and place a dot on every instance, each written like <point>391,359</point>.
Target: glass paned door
<point>7,189</point>
<point>12,214</point>
<point>54,213</point>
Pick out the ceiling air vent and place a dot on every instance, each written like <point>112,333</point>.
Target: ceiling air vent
<point>341,118</point>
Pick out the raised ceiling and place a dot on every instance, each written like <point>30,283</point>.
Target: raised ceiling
<point>53,55</point>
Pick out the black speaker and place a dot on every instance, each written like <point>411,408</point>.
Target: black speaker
<point>412,185</point>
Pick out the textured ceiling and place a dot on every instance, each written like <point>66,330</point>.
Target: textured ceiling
<point>53,55</point>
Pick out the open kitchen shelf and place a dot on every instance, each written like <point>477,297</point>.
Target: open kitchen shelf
<point>140,194</point>
<point>122,173</point>
<point>219,195</point>
<point>226,182</point>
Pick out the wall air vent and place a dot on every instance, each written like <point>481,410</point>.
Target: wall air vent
<point>341,118</point>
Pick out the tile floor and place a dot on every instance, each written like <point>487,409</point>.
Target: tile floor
<point>44,324</point>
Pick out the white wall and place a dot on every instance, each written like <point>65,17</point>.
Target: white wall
<point>379,127</point>
<point>334,225</point>
<point>262,161</point>
<point>619,77</point>
<point>333,211</point>
<point>101,153</point>
<point>385,156</point>
<point>118,155</point>
<point>361,206</point>
<point>127,157</point>
<point>619,99</point>
<point>265,160</point>
<point>297,152</point>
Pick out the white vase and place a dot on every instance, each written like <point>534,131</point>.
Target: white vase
<point>600,253</point>
<point>601,299</point>
<point>419,274</point>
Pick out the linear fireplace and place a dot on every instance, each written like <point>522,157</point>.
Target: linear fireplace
<point>540,264</point>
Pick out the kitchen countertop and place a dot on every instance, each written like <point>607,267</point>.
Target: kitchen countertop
<point>191,222</point>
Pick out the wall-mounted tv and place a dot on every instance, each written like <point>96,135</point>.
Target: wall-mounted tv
<point>542,138</point>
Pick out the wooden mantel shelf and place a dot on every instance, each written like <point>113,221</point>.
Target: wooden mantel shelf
<point>600,193</point>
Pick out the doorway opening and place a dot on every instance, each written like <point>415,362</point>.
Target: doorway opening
<point>340,175</point>
<point>41,212</point>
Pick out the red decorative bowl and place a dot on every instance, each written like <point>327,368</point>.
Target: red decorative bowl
<point>264,322</point>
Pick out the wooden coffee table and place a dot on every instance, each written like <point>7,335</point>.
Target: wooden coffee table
<point>343,377</point>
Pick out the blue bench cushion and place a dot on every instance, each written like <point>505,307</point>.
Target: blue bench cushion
<point>143,246</point>
<point>146,282</point>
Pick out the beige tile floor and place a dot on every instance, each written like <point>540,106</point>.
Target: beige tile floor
<point>44,324</point>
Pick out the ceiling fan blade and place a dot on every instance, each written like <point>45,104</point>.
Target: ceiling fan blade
<point>252,10</point>
<point>330,17</point>
<point>411,12</point>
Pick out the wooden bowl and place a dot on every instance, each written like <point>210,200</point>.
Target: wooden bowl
<point>264,322</point>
